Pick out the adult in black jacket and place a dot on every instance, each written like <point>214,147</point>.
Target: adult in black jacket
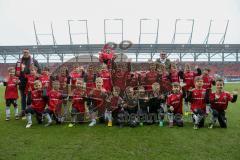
<point>23,68</point>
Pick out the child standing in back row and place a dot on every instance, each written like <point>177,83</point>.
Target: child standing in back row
<point>11,93</point>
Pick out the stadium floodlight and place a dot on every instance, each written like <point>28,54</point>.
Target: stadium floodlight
<point>108,33</point>
<point>190,33</point>
<point>221,41</point>
<point>38,43</point>
<point>141,33</point>
<point>84,22</point>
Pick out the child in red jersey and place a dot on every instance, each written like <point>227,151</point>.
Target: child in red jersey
<point>188,80</point>
<point>219,103</point>
<point>198,97</point>
<point>174,105</point>
<point>151,77</point>
<point>164,78</point>
<point>30,80</point>
<point>119,76</point>
<point>11,93</point>
<point>113,103</point>
<point>132,80</point>
<point>64,89</point>
<point>36,104</point>
<point>45,79</point>
<point>54,99</point>
<point>75,75</point>
<point>89,78</point>
<point>105,74</point>
<point>174,73</point>
<point>208,81</point>
<point>96,101</point>
<point>78,103</point>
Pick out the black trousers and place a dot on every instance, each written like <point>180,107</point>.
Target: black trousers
<point>51,113</point>
<point>11,101</point>
<point>221,117</point>
<point>38,114</point>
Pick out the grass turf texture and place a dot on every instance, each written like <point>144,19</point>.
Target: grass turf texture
<point>101,142</point>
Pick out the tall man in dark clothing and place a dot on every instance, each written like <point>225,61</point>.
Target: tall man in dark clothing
<point>23,68</point>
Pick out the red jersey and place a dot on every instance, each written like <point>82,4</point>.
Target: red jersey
<point>119,79</point>
<point>132,79</point>
<point>207,81</point>
<point>30,82</point>
<point>90,78</point>
<point>150,78</point>
<point>219,101</point>
<point>11,91</point>
<point>74,77</point>
<point>174,76</point>
<point>45,80</point>
<point>78,100</point>
<point>38,102</point>
<point>165,83</point>
<point>198,99</point>
<point>55,99</point>
<point>188,79</point>
<point>63,81</point>
<point>107,79</point>
<point>175,100</point>
<point>142,76</point>
<point>114,102</point>
<point>99,98</point>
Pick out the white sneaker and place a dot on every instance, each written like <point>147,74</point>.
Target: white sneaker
<point>210,126</point>
<point>93,123</point>
<point>48,124</point>
<point>28,125</point>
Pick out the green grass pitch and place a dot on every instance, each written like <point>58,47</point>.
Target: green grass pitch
<point>100,142</point>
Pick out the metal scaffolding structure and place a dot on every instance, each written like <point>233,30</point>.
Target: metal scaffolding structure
<point>184,51</point>
<point>38,43</point>
<point>109,33</point>
<point>80,34</point>
<point>221,41</point>
<point>155,34</point>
